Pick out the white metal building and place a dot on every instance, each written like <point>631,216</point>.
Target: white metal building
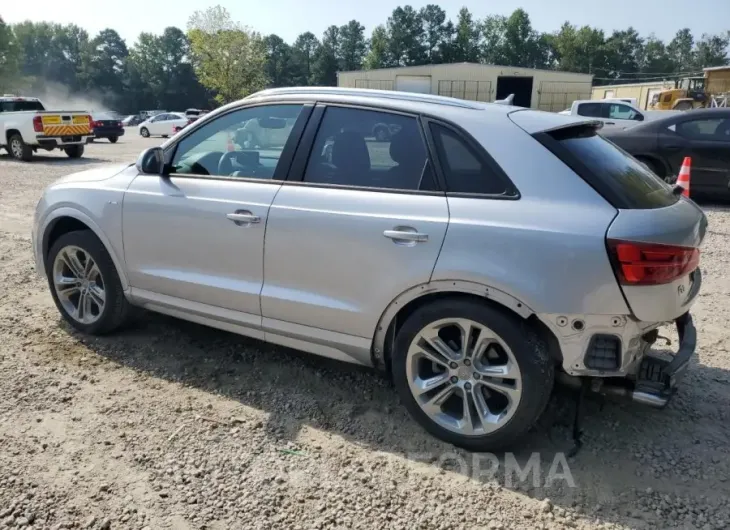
<point>539,89</point>
<point>642,92</point>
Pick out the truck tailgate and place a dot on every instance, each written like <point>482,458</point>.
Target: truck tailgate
<point>65,124</point>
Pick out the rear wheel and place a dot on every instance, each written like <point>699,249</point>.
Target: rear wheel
<point>144,132</point>
<point>470,374</point>
<point>19,149</point>
<point>85,285</point>
<point>113,139</point>
<point>74,151</point>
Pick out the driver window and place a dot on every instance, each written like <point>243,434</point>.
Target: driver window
<point>246,143</point>
<point>621,112</point>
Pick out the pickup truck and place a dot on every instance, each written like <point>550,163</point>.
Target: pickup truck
<point>26,126</point>
<point>613,114</point>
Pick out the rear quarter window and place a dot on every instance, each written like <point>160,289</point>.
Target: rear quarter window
<point>616,175</point>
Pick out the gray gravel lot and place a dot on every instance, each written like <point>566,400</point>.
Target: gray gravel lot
<point>173,425</point>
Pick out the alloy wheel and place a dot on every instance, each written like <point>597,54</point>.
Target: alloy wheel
<point>464,376</point>
<point>17,148</point>
<point>79,284</point>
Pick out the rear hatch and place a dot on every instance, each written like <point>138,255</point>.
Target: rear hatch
<point>654,240</point>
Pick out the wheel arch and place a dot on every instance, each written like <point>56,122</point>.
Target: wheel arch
<point>656,161</point>
<point>65,220</point>
<point>10,132</point>
<point>407,302</point>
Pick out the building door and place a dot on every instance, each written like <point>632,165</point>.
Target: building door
<point>420,84</point>
<point>520,86</point>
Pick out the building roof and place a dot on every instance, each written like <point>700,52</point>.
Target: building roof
<point>716,68</point>
<point>464,65</point>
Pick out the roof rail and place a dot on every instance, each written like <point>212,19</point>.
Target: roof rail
<point>366,92</point>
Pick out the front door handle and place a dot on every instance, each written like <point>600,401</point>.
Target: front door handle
<point>405,235</point>
<point>243,218</point>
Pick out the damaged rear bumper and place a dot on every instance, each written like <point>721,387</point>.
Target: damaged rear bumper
<point>657,379</point>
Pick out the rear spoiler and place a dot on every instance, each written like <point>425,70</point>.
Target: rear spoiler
<point>506,101</point>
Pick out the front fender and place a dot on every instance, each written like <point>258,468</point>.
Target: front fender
<point>50,219</point>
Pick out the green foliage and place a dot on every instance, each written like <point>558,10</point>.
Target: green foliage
<point>228,58</point>
<point>218,60</point>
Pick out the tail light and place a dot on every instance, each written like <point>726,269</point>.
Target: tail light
<point>651,264</point>
<point>119,124</point>
<point>95,124</point>
<point>38,124</point>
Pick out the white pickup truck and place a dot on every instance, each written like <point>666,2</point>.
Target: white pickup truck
<point>26,126</point>
<point>613,114</point>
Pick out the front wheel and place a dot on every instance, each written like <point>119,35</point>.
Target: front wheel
<point>74,151</point>
<point>144,132</point>
<point>113,139</point>
<point>85,285</point>
<point>471,374</point>
<point>19,149</point>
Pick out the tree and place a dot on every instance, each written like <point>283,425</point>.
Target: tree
<point>228,58</point>
<point>377,57</point>
<point>406,37</point>
<point>305,49</point>
<point>107,57</point>
<point>466,40</point>
<point>579,49</point>
<point>656,60</point>
<point>681,51</point>
<point>326,62</point>
<point>712,51</point>
<point>279,63</point>
<point>352,45</point>
<point>624,53</point>
<point>9,58</point>
<point>434,32</point>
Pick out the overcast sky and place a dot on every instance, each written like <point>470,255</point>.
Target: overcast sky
<point>288,18</point>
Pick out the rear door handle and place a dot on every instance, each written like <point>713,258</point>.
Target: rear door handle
<point>405,235</point>
<point>243,217</point>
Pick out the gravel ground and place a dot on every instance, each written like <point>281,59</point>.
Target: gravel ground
<point>172,425</point>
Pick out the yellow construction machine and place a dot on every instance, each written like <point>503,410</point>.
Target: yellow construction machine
<point>710,90</point>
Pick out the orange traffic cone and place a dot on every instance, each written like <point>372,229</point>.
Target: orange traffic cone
<point>683,178</point>
<point>231,146</point>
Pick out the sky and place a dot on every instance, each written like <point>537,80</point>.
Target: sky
<point>289,18</point>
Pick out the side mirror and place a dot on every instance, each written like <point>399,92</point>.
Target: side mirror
<point>151,161</point>
<point>639,117</point>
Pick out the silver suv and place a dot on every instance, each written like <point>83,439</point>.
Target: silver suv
<point>476,254</point>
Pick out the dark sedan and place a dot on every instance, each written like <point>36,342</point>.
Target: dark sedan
<point>662,144</point>
<point>107,126</point>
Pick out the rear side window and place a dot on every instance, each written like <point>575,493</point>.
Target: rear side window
<point>463,169</point>
<point>590,110</point>
<point>621,179</point>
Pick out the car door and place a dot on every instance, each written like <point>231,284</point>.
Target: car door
<point>358,222</point>
<point>620,115</point>
<point>707,141</point>
<point>194,239</point>
<point>155,125</point>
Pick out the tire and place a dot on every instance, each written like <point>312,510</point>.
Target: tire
<point>534,378</point>
<point>113,139</point>
<point>144,132</point>
<point>116,308</point>
<point>653,166</point>
<point>74,151</point>
<point>18,149</point>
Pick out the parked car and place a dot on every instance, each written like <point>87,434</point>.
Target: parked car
<point>162,124</point>
<point>191,119</point>
<point>613,114</point>
<point>106,126</point>
<point>479,252</point>
<point>26,126</point>
<point>703,134</point>
<point>134,119</point>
